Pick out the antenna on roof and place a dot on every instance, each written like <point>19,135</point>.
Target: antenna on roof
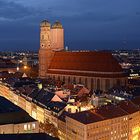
<point>66,48</point>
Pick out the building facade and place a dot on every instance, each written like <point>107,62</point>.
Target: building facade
<point>36,111</point>
<point>51,40</point>
<point>15,120</point>
<point>102,124</point>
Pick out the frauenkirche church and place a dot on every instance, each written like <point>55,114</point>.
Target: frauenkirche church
<point>94,69</point>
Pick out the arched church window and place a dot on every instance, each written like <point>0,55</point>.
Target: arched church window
<point>107,83</point>
<point>80,80</point>
<point>92,83</point>
<point>85,81</point>
<point>42,37</point>
<point>98,83</point>
<point>68,79</point>
<point>118,82</point>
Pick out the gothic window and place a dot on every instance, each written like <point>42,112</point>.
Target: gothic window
<point>63,78</point>
<point>68,79</point>
<point>85,81</point>
<point>92,83</point>
<point>107,83</point>
<point>98,83</point>
<point>74,80</point>
<point>42,37</point>
<point>118,82</point>
<point>53,77</point>
<point>80,80</point>
<point>59,78</point>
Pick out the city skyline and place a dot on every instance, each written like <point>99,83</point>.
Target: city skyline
<point>70,70</point>
<point>88,24</point>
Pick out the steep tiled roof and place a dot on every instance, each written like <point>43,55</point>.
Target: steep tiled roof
<point>85,63</point>
<point>128,106</point>
<point>136,101</point>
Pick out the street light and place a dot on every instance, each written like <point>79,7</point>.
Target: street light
<point>17,68</point>
<point>25,67</point>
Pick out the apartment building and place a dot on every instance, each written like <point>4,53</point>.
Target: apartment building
<point>14,120</point>
<point>111,122</point>
<point>38,107</point>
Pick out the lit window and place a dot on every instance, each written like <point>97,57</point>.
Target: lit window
<point>29,127</point>
<point>25,127</point>
<point>33,126</point>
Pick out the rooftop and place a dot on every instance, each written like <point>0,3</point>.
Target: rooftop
<point>32,136</point>
<point>128,106</point>
<point>28,88</point>
<point>104,112</point>
<point>136,101</point>
<point>12,114</point>
<point>6,63</point>
<point>90,63</point>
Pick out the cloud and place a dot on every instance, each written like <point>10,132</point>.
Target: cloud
<point>91,10</point>
<point>82,19</point>
<point>13,11</point>
<point>4,19</point>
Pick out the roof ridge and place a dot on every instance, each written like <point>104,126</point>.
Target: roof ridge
<point>94,112</point>
<point>123,110</point>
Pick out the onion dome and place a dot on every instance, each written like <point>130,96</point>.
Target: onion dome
<point>57,25</point>
<point>45,23</point>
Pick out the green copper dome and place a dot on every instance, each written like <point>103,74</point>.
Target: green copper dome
<point>45,23</point>
<point>57,25</point>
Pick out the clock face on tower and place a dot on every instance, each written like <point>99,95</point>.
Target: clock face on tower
<point>46,45</point>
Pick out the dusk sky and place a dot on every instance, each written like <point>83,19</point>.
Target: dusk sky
<point>88,24</point>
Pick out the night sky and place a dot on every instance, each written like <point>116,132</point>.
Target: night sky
<point>88,24</point>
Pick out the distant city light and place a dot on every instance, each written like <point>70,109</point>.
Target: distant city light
<point>17,68</point>
<point>25,67</point>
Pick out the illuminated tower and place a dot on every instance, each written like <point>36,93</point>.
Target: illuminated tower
<point>57,33</point>
<point>45,48</point>
<point>51,40</point>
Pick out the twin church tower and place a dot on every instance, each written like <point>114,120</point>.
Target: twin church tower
<point>51,40</point>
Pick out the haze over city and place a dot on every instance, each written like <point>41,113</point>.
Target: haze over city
<point>92,24</point>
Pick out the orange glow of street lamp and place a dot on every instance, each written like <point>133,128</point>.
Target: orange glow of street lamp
<point>25,67</point>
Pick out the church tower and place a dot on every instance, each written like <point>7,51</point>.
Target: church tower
<point>57,33</point>
<point>45,48</point>
<point>51,40</point>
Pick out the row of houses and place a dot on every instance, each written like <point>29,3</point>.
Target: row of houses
<point>119,121</point>
<point>15,120</point>
<point>38,102</point>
